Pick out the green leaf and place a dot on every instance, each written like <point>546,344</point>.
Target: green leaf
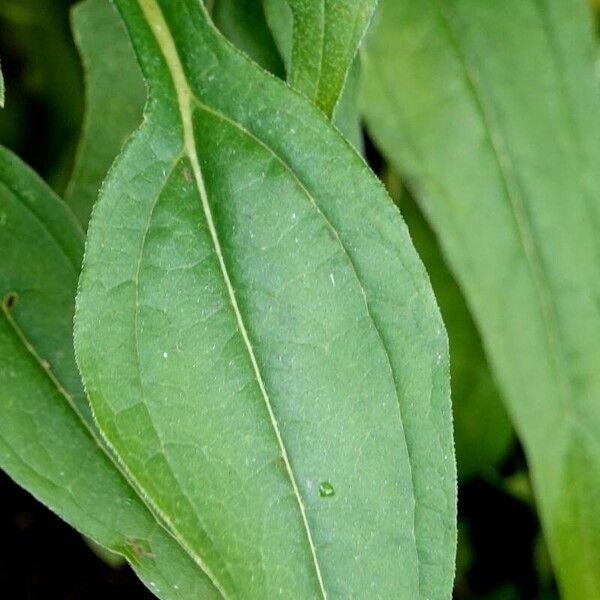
<point>243,22</point>
<point>483,433</point>
<point>274,375</point>
<point>47,442</point>
<point>115,98</point>
<point>346,115</point>
<point>490,109</point>
<point>49,72</point>
<point>325,39</point>
<point>281,23</point>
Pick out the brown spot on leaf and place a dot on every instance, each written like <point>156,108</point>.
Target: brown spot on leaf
<point>139,548</point>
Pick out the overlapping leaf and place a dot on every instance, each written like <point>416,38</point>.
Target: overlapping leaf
<point>243,22</point>
<point>274,375</point>
<point>319,41</point>
<point>491,112</point>
<point>482,430</point>
<point>47,441</point>
<point>115,97</point>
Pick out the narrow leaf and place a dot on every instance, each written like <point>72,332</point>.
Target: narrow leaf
<point>275,373</point>
<point>115,98</point>
<point>346,114</point>
<point>491,111</point>
<point>47,443</point>
<point>325,39</point>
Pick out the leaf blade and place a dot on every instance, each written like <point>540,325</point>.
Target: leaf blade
<point>47,439</point>
<point>114,98</point>
<point>325,37</point>
<point>230,137</point>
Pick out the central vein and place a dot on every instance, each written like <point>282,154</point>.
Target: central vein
<point>185,100</point>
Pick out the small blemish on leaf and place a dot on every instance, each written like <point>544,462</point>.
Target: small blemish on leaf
<point>187,175</point>
<point>139,548</point>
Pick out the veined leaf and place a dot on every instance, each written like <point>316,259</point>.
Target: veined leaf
<point>47,443</point>
<point>491,111</point>
<point>115,98</point>
<point>346,113</point>
<point>275,373</point>
<point>325,38</point>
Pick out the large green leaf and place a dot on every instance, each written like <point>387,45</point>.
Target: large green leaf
<point>258,338</point>
<point>47,442</point>
<point>115,98</point>
<point>491,111</point>
<point>319,41</point>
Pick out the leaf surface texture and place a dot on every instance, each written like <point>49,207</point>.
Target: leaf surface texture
<point>275,373</point>
<point>115,98</point>
<point>319,40</point>
<point>48,443</point>
<point>490,111</point>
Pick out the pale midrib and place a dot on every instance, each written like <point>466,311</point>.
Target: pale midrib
<point>160,29</point>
